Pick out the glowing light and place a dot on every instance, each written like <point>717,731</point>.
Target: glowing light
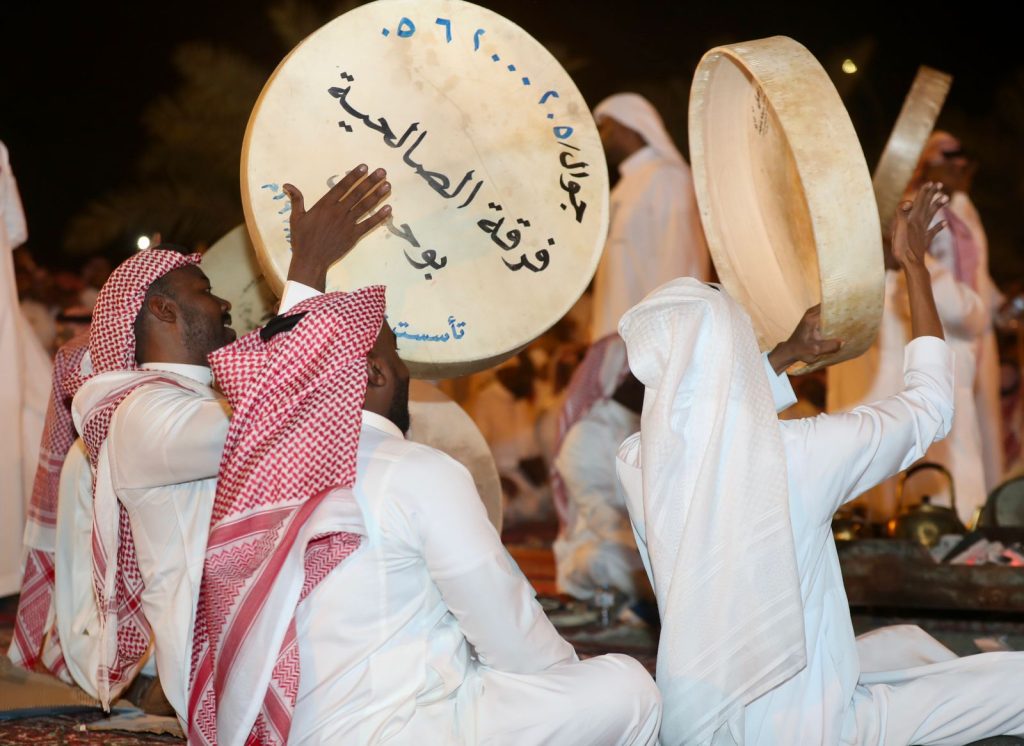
<point>142,243</point>
<point>849,67</point>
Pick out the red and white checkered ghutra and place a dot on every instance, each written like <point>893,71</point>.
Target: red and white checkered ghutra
<point>35,633</point>
<point>117,581</point>
<point>291,448</point>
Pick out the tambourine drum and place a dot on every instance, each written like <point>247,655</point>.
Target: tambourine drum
<point>440,423</point>
<point>784,193</point>
<point>499,183</point>
<point>235,276</point>
<point>914,125</point>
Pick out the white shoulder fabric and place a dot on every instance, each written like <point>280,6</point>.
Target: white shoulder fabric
<point>715,510</point>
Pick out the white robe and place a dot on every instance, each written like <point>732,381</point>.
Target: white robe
<point>986,386</point>
<point>877,374</point>
<point>24,392</point>
<point>654,236</point>
<point>74,602</point>
<point>597,548</point>
<point>829,460</point>
<point>431,634</point>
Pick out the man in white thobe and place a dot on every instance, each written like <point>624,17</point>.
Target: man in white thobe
<point>163,450</point>
<point>826,693</point>
<point>654,232</point>
<point>595,548</point>
<point>965,318</point>
<point>431,633</point>
<point>878,372</point>
<point>428,633</point>
<point>23,396</point>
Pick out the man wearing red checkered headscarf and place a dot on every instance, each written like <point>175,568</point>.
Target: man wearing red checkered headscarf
<point>166,282</point>
<point>35,634</point>
<point>284,515</point>
<point>428,632</point>
<point>155,429</point>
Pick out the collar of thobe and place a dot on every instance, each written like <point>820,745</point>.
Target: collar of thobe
<point>374,420</point>
<point>199,373</point>
<point>638,160</point>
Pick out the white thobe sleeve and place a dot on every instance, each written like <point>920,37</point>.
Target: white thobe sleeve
<point>294,293</point>
<point>482,586</point>
<point>166,435</point>
<point>782,390</point>
<point>836,457</point>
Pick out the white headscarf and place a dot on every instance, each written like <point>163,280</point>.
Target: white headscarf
<point>715,510</point>
<point>639,114</point>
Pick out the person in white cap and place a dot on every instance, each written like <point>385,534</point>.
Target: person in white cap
<point>655,233</point>
<point>732,510</point>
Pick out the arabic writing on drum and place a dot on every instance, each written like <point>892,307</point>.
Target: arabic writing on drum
<point>463,190</point>
<point>457,330</point>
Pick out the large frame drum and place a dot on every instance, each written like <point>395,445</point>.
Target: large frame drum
<point>784,193</point>
<point>499,183</point>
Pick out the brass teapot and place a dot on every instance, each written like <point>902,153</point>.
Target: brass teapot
<point>849,523</point>
<point>925,523</point>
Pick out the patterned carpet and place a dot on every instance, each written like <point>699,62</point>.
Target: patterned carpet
<point>62,729</point>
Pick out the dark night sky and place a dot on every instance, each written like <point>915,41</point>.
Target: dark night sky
<point>75,79</point>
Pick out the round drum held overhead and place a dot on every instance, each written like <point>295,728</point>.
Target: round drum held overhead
<point>914,125</point>
<point>499,184</point>
<point>784,193</point>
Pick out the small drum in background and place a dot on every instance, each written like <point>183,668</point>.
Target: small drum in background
<point>499,183</point>
<point>785,195</point>
<point>910,134</point>
<point>235,276</point>
<point>440,423</point>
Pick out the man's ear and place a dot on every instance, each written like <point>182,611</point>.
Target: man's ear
<point>162,308</point>
<point>375,372</point>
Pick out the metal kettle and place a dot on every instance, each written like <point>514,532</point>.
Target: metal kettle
<point>849,524</point>
<point>925,523</point>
